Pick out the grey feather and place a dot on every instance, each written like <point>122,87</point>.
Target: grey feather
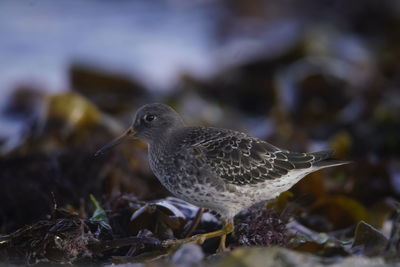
<point>240,159</point>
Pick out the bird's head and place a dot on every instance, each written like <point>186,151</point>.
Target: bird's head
<point>152,122</point>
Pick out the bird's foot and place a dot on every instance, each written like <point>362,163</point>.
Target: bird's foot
<point>227,228</point>
<point>200,238</point>
<point>222,245</point>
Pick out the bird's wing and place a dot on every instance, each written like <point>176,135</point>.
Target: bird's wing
<point>240,159</point>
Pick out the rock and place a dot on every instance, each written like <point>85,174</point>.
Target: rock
<point>188,255</point>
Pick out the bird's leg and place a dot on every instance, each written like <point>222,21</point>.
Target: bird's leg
<point>200,238</point>
<point>228,227</point>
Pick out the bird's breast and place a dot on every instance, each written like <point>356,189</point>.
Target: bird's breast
<point>164,166</point>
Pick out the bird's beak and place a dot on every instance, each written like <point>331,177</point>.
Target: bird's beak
<point>128,133</point>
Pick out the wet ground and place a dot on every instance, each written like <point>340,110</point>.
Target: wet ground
<point>320,75</point>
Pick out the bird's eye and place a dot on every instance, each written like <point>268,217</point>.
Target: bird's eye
<point>149,118</point>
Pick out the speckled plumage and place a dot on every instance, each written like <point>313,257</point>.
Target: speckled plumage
<point>220,169</point>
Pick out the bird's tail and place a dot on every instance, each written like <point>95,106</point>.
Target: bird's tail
<point>324,159</point>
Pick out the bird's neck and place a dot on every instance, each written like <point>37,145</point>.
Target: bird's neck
<point>164,138</point>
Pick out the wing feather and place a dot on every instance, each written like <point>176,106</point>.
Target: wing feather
<point>240,159</point>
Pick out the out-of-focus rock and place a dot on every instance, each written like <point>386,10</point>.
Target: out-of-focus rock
<point>265,257</point>
<point>73,109</point>
<point>372,180</point>
<point>342,211</point>
<point>313,186</point>
<point>24,103</point>
<point>29,180</point>
<point>368,240</point>
<point>248,87</point>
<point>318,94</point>
<point>111,92</point>
<point>19,116</point>
<point>341,143</point>
<point>188,255</point>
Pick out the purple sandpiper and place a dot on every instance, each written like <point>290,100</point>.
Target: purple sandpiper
<point>219,169</point>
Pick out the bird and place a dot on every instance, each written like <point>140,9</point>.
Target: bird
<point>219,169</point>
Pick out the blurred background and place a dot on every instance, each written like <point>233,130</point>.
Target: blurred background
<point>303,75</point>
